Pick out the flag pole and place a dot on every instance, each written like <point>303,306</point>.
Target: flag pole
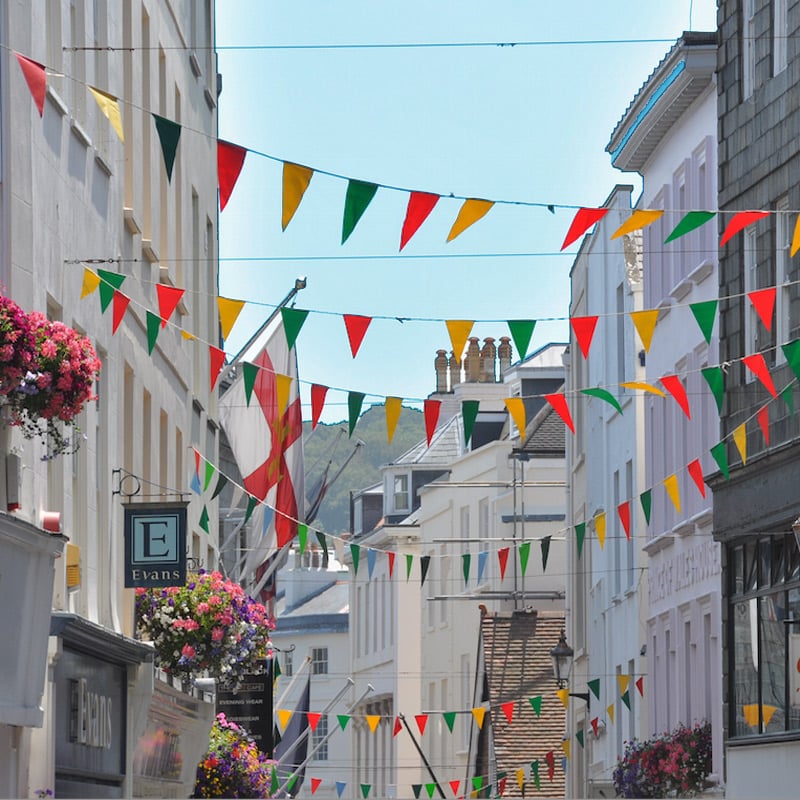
<point>302,667</point>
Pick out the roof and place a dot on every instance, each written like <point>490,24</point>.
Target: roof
<point>516,654</point>
<point>545,435</point>
<point>446,446</point>
<point>332,599</point>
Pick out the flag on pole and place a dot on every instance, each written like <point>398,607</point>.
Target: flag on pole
<point>266,441</point>
<point>292,750</point>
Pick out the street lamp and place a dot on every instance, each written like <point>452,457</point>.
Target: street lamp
<point>562,655</point>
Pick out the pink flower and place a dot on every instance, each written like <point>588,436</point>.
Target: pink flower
<point>203,608</point>
<point>215,600</point>
<point>188,651</point>
<point>48,348</point>
<point>217,634</point>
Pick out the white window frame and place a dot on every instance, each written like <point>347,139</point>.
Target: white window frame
<point>318,739</point>
<point>780,32</point>
<point>748,48</point>
<point>783,242</point>
<point>402,479</point>
<point>319,660</point>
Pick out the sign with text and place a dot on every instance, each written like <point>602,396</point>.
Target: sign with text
<point>155,544</point>
<point>250,706</point>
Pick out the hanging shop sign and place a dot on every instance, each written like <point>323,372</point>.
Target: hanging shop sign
<point>155,544</point>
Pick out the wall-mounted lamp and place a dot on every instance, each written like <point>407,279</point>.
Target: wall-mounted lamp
<point>562,655</point>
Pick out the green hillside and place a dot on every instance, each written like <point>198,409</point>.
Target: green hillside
<point>329,443</point>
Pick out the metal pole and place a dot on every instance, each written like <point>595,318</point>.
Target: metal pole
<point>306,662</point>
<point>421,754</point>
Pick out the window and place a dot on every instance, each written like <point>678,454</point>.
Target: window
<point>401,493</point>
<point>780,32</point>
<point>782,283</point>
<point>764,594</point>
<point>751,320</point>
<point>619,335</point>
<point>319,738</point>
<point>288,664</point>
<point>319,661</point>
<point>748,48</point>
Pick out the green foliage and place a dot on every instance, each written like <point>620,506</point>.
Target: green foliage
<point>325,444</point>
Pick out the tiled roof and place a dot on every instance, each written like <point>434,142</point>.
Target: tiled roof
<point>546,434</point>
<point>446,446</point>
<point>516,652</point>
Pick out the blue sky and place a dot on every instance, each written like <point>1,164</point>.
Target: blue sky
<point>524,123</point>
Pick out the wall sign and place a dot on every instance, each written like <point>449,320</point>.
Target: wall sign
<point>155,544</point>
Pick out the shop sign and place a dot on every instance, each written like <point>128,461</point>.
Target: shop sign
<point>155,544</point>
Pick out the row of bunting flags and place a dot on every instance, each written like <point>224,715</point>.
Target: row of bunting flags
<point>359,193</point>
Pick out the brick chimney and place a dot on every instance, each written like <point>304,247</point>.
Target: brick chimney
<point>455,372</point>
<point>440,365</point>
<point>504,354</point>
<point>472,361</point>
<point>488,356</point>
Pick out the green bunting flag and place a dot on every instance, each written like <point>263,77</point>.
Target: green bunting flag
<point>168,133</point>
<point>646,499</point>
<point>430,788</point>
<point>715,378</point>
<point>365,787</point>
<point>290,783</point>
<point>252,502</point>
<point>249,375</point>
<point>222,482</point>
<point>594,687</point>
<point>109,283</point>
<point>466,559</point>
<point>449,719</point>
<point>545,551</point>
<point>416,788</point>
<point>343,720</point>
<point>355,552</point>
<point>721,457</point>
<point>580,535</point>
<point>604,394</point>
<point>293,319</point>
<point>323,543</point>
<point>302,537</point>
<point>153,327</point>
<point>409,561</point>
<point>274,783</point>
<point>536,704</point>
<point>424,563</point>
<point>579,737</point>
<point>469,412</point>
<point>705,313</point>
<point>210,470</point>
<point>626,698</point>
<point>524,554</point>
<point>521,333</point>
<point>792,352</point>
<point>354,401</point>
<point>692,220</point>
<point>535,773</point>
<point>204,519</point>
<point>477,783</point>
<point>788,397</point>
<point>276,669</point>
<point>359,196</point>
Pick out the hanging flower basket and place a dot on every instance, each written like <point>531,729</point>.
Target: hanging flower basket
<point>47,374</point>
<point>210,626</point>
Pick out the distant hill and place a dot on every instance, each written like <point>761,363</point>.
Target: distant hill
<point>326,444</point>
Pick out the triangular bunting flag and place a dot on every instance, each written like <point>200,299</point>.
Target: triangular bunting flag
<point>516,407</point>
<point>646,500</point>
<point>216,361</point>
<point>422,721</point>
<point>580,533</point>
<point>623,681</point>
<point>302,537</point>
<point>36,78</point>
<point>524,555</point>
<point>416,788</point>
<point>535,773</point>
<point>643,387</point>
<point>459,330</point>
<point>673,384</point>
<point>583,328</point>
<point>274,785</point>
<point>594,687</point>
<point>323,543</point>
<point>169,133</point>
<point>641,218</point>
<point>372,556</point>
<point>545,551</point>
<point>230,160</point>
<point>210,472</point>
<point>204,519</point>
<point>626,698</point>
<point>420,205</point>
<point>372,721</point>
<point>583,220</point>
<point>252,502</point>
<point>318,393</point>
<point>600,529</point>
<point>640,686</point>
<point>120,307</point>
<point>470,212</point>
<point>477,783</point>
<point>479,712</point>
<point>354,403</point>
<point>565,746</point>
<point>695,470</point>
<point>721,457</point>
<point>466,560</point>
<point>409,562</point>
<point>110,107</point>
<point>624,511</point>
<point>393,406</point>
<point>109,283</point>
<point>398,726</point>
<point>563,696</point>
<point>430,788</point>
<point>740,221</point>
<point>356,327</point>
<point>293,319</point>
<point>229,311</point>
<point>249,375</point>
<point>91,280</point>
<point>455,787</point>
<point>153,323</point>
<point>359,196</point>
<point>222,482</point>
<point>313,719</point>
<point>365,787</point>
<point>603,394</point>
<point>424,563</point>
<point>559,403</point>
<point>795,239</point>
<point>763,302</point>
<point>758,366</point>
<point>168,299</point>
<point>390,556</point>
<point>595,723</point>
<point>355,553</point>
<point>610,712</point>
<point>283,390</point>
<point>645,324</point>
<point>449,719</point>
<point>483,558</point>
<point>521,332</point>
<point>715,378</point>
<point>520,777</point>
<point>343,720</point>
<point>469,413</point>
<point>536,704</point>
<point>705,313</point>
<point>295,183</point>
<point>740,440</point>
<point>550,758</point>
<point>502,557</point>
<point>508,710</point>
<point>673,490</point>
<point>579,737</point>
<point>763,422</point>
<point>792,352</point>
<point>431,412</point>
<point>284,715</point>
<point>340,786</point>
<point>315,782</point>
<point>692,220</point>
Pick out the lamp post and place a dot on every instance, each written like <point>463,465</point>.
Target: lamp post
<point>562,655</point>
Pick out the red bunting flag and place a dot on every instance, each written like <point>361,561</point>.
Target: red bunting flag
<point>672,383</point>
<point>763,301</point>
<point>422,721</point>
<point>36,78</point>
<point>230,159</point>
<point>356,328</point>
<point>696,472</point>
<point>739,222</point>
<point>624,511</point>
<point>432,409</point>
<point>120,307</point>
<point>502,557</point>
<point>551,764</point>
<point>584,331</point>
<point>390,555</point>
<point>508,710</point>
<point>583,220</point>
<point>455,787</point>
<point>318,393</point>
<point>196,462</point>
<point>398,726</point>
<point>420,204</point>
<point>756,364</point>
<point>640,685</point>
<point>763,422</point>
<point>559,403</point>
<point>595,726</point>
<point>216,361</point>
<point>315,782</point>
<point>168,299</point>
<point>313,719</point>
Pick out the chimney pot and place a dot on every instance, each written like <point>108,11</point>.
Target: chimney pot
<point>488,356</point>
<point>472,361</point>
<point>504,354</point>
<point>440,365</point>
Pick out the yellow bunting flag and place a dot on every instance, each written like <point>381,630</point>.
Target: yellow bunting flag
<point>516,407</point>
<point>471,211</point>
<point>645,323</point>
<point>674,492</point>
<point>610,712</point>
<point>640,218</point>
<point>284,715</point>
<point>91,280</point>
<point>645,387</point>
<point>394,406</point>
<point>283,389</point>
<point>520,777</point>
<point>188,336</point>
<point>600,528</point>
<point>295,183</point>
<point>229,311</point>
<point>110,107</point>
<point>565,747</point>
<point>740,440</point>
<point>459,330</point>
<point>796,237</point>
<point>479,712</point>
<point>563,696</point>
<point>373,720</point>
<point>623,681</point>
<point>767,711</point>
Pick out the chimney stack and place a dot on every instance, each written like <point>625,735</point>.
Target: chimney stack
<point>472,361</point>
<point>488,356</point>
<point>504,355</point>
<point>455,372</point>
<point>440,365</point>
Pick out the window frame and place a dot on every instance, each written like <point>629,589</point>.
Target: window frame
<point>319,660</point>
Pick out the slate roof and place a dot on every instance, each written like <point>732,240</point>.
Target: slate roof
<point>545,435</point>
<point>446,446</point>
<point>516,652</point>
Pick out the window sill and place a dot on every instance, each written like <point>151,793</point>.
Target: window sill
<point>659,543</point>
<point>701,272</point>
<point>681,289</point>
<point>764,738</point>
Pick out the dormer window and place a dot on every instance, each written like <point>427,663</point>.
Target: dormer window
<point>400,493</point>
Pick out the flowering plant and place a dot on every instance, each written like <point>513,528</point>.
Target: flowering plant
<point>47,373</point>
<point>209,625</point>
<point>233,766</point>
<point>671,765</point>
